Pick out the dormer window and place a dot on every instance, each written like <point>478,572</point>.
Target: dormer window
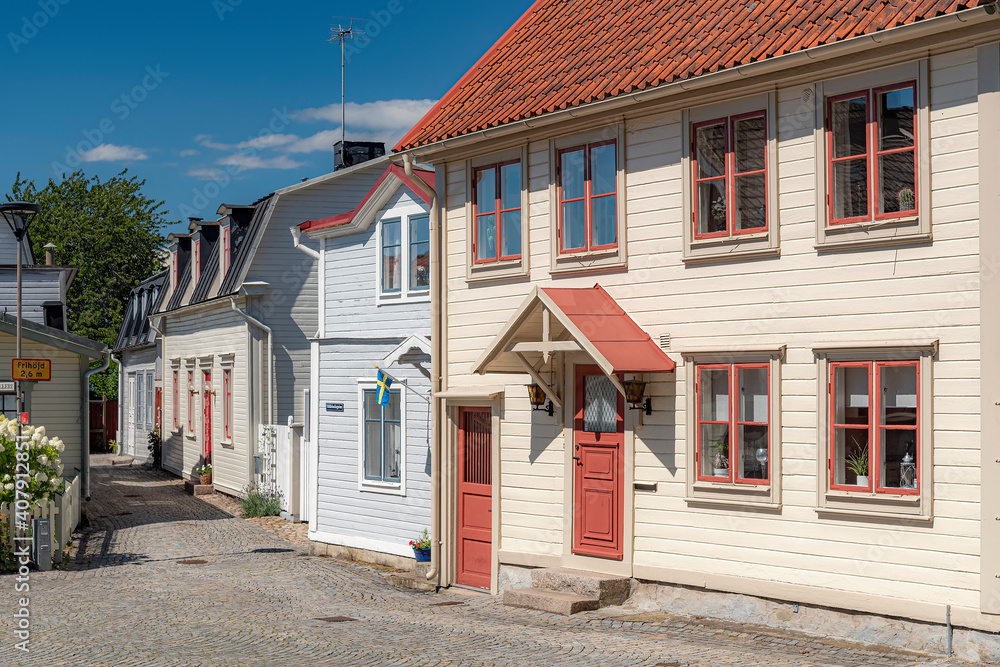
<point>196,267</point>
<point>225,250</point>
<point>173,268</point>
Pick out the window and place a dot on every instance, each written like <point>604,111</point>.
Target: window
<point>872,153</point>
<point>381,439</point>
<point>733,411</point>
<point>225,251</point>
<point>874,426</point>
<point>588,198</point>
<point>404,257</point>
<point>227,403</point>
<point>140,413</point>
<point>497,213</point>
<point>730,176</point>
<point>8,406</point>
<point>176,404</point>
<point>150,401</point>
<point>190,403</point>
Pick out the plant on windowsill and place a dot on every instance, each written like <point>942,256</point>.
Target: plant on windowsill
<point>858,464</point>
<point>204,473</point>
<point>719,213</point>
<point>907,199</point>
<point>721,459</point>
<point>422,547</point>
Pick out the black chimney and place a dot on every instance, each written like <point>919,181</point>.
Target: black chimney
<point>350,153</point>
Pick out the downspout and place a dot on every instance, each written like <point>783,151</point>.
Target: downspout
<point>297,242</point>
<point>85,454</point>
<point>436,351</point>
<point>118,431</point>
<point>270,357</point>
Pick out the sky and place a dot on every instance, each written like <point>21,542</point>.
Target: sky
<point>221,101</point>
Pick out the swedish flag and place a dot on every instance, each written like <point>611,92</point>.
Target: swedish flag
<point>382,383</point>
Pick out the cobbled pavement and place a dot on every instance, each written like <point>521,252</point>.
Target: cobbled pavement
<point>127,600</point>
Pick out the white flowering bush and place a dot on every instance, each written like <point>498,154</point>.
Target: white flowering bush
<point>44,468</point>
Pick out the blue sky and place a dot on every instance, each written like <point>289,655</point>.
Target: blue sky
<point>181,93</point>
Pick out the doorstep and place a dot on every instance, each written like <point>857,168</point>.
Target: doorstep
<point>198,489</point>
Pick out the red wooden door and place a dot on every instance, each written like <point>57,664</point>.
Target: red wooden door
<point>475,498</point>
<point>208,417</point>
<point>598,464</point>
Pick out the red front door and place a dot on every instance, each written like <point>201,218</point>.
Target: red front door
<point>475,498</point>
<point>208,418</point>
<point>598,464</point>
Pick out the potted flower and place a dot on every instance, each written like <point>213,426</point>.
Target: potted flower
<point>422,547</point>
<point>721,459</point>
<point>907,199</point>
<point>858,464</point>
<point>204,473</point>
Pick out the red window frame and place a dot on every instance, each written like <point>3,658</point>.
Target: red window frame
<point>228,402</point>
<point>196,269</point>
<point>872,154</point>
<point>176,404</point>
<point>225,250</point>
<point>730,176</point>
<point>733,423</point>
<point>873,428</point>
<point>173,270</point>
<point>497,214</point>
<point>587,198</point>
<point>190,393</point>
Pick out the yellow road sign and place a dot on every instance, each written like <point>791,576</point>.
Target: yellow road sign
<point>34,370</point>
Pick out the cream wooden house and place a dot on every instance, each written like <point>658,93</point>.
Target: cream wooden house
<point>781,218</point>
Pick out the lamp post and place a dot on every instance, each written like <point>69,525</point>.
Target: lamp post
<point>19,215</point>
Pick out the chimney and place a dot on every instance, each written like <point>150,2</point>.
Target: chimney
<point>50,255</point>
<point>349,153</point>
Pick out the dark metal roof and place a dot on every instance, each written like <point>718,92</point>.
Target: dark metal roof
<point>177,298</point>
<point>135,329</point>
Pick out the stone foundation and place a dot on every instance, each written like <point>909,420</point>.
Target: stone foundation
<point>361,555</point>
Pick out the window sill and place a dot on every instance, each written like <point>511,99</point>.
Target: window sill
<point>388,489</point>
<point>870,505</point>
<point>589,261</point>
<point>893,232</point>
<point>513,268</point>
<point>412,297</point>
<point>724,494</point>
<point>227,444</point>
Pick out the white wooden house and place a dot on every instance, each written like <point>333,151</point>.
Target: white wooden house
<point>782,218</point>
<point>372,491</point>
<point>235,320</point>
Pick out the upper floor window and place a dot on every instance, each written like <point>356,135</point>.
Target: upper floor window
<point>730,176</point>
<point>497,212</point>
<point>872,153</point>
<point>225,250</point>
<point>404,256</point>
<point>588,197</point>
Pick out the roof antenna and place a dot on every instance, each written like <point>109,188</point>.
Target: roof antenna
<point>341,34</point>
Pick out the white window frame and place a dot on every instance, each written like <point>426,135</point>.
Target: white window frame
<point>406,294</point>
<point>509,268</point>
<point>175,405</point>
<point>392,488</point>
<point>896,231</point>
<point>862,503</point>
<point>742,246</point>
<point>701,492</point>
<point>2,398</point>
<point>150,399</point>
<point>140,397</point>
<point>191,405</point>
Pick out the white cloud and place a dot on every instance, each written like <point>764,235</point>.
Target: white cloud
<point>206,141</point>
<point>389,115</point>
<point>245,161</point>
<point>205,174</point>
<point>267,141</point>
<point>188,153</point>
<point>321,141</point>
<point>112,153</point>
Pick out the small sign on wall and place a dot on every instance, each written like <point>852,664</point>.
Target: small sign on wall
<point>334,407</point>
<point>31,369</point>
<point>6,387</point>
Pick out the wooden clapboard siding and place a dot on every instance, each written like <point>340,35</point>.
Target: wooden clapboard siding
<point>800,299</point>
<point>37,288</point>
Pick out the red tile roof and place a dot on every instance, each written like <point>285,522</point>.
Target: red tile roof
<point>565,53</point>
<point>344,218</point>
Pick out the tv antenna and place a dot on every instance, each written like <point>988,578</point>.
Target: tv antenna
<point>340,33</point>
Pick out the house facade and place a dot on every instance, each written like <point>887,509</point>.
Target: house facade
<point>785,235</point>
<point>239,307</point>
<point>140,373</point>
<point>373,481</point>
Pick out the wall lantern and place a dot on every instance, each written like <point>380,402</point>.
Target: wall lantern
<point>537,397</point>
<point>634,389</point>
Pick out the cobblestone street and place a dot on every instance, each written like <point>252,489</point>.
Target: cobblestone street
<point>251,598</point>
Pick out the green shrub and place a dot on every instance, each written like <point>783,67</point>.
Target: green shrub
<point>259,502</point>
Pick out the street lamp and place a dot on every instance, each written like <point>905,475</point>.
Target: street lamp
<point>19,215</point>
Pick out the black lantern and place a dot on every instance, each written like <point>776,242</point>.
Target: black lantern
<point>18,215</point>
<point>634,389</point>
<point>537,397</point>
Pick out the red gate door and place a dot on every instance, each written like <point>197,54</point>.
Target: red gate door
<point>598,458</point>
<point>475,498</point>
<point>208,417</point>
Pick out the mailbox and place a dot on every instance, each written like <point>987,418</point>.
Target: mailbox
<point>41,531</point>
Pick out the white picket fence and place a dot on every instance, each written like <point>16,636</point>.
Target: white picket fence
<point>275,443</point>
<point>63,513</point>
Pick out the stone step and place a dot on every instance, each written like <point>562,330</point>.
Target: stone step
<point>556,602</point>
<point>196,489</point>
<point>609,591</point>
<point>410,581</point>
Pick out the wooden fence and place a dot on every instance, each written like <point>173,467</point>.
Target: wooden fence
<point>63,513</point>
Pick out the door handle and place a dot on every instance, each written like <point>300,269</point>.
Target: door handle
<point>577,459</point>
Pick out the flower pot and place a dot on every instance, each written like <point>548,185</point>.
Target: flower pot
<point>722,472</point>
<point>205,478</point>
<point>862,480</point>
<point>422,555</point>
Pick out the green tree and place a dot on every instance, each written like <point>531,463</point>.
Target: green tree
<point>111,231</point>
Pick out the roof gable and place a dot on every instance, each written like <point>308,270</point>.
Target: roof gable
<point>563,54</point>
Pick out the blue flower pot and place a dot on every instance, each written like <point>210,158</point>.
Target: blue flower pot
<point>422,555</point>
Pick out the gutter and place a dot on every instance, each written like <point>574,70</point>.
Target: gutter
<point>297,242</point>
<point>85,406</point>
<point>270,357</point>
<point>436,358</point>
<point>118,432</point>
<point>926,28</point>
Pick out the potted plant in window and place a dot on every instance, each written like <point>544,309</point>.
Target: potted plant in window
<point>906,198</point>
<point>422,548</point>
<point>858,464</point>
<point>204,474</point>
<point>721,459</point>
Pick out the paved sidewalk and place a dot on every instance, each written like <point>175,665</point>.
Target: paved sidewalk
<point>256,599</point>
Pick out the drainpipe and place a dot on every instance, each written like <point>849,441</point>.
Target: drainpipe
<point>270,358</point>
<point>85,454</point>
<point>297,242</point>
<point>118,431</point>
<point>436,357</point>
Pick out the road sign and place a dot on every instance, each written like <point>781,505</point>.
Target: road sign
<point>34,370</point>
<point>7,387</point>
